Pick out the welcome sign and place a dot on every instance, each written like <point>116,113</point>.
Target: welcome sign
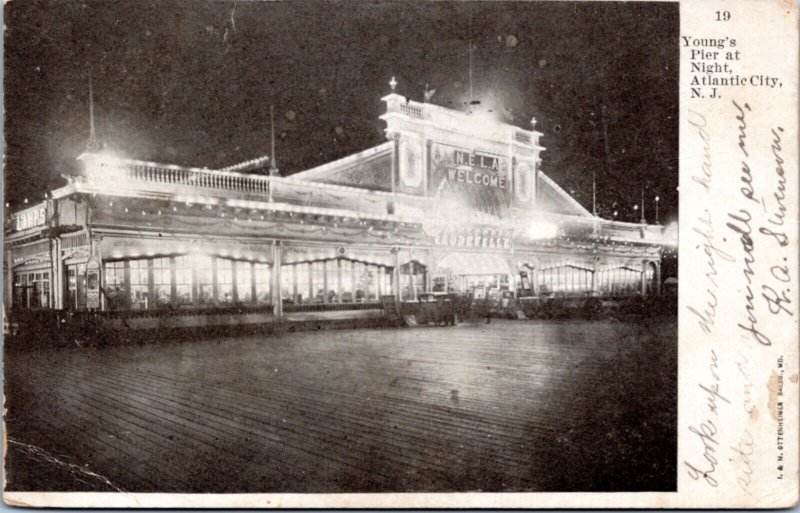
<point>477,179</point>
<point>470,168</point>
<point>477,168</point>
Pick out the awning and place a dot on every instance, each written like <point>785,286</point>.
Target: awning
<point>474,263</point>
<point>293,253</point>
<point>38,252</point>
<point>114,248</point>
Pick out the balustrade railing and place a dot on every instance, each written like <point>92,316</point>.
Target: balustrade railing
<point>411,109</point>
<point>220,180</point>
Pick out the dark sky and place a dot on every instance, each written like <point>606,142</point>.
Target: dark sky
<point>190,82</point>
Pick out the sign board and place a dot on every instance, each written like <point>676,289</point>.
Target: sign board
<point>475,168</point>
<point>470,238</point>
<point>93,283</point>
<point>30,218</point>
<point>526,282</point>
<point>473,179</point>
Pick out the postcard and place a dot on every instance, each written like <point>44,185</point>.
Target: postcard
<point>379,254</point>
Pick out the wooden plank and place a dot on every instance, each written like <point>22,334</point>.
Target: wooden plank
<point>506,406</point>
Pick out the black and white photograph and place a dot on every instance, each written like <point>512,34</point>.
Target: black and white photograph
<point>340,247</point>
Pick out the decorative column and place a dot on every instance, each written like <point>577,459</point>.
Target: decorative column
<point>101,276</point>
<point>644,278</point>
<point>513,274</point>
<point>658,279</point>
<point>532,264</point>
<point>277,297</point>
<point>173,287</point>
<point>429,275</point>
<point>339,288</point>
<point>151,286</point>
<point>214,281</point>
<point>426,165</point>
<point>595,270</point>
<point>235,282</point>
<point>8,286</point>
<point>395,138</point>
<point>396,273</point>
<point>56,282</point>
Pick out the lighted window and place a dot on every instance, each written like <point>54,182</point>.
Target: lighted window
<point>287,283</point>
<point>244,282</point>
<point>412,280</point>
<point>76,286</point>
<point>183,280</point>
<point>24,290</point>
<point>140,288</point>
<point>318,281</point>
<point>362,282</point>
<point>620,281</point>
<point>32,290</point>
<point>502,282</point>
<point>44,289</point>
<point>204,271</point>
<point>650,278</point>
<point>224,281</point>
<point>71,299</point>
<point>346,269</point>
<point>115,290</point>
<point>334,282</point>
<point>406,286</point>
<point>568,279</point>
<point>388,290</point>
<point>302,272</point>
<point>544,286</point>
<point>376,280</point>
<point>263,276</point>
<point>20,295</point>
<point>162,282</point>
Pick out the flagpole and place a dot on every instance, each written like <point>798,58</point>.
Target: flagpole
<point>273,166</point>
<point>92,144</point>
<point>643,219</point>
<point>470,58</point>
<point>657,198</point>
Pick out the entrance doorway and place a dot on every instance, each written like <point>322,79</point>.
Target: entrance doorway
<point>476,274</point>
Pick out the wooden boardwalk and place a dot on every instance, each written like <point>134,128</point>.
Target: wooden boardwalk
<point>510,406</point>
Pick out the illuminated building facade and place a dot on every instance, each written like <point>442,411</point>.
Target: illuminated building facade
<point>450,202</point>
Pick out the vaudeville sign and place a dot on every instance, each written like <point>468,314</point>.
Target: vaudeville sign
<point>473,239</point>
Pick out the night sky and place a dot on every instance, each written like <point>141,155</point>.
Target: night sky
<point>191,82</point>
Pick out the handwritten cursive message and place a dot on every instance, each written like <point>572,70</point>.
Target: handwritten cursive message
<point>771,289</point>
<point>732,247</point>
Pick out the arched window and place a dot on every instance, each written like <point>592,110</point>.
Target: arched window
<point>185,280</point>
<point>565,280</point>
<point>334,280</point>
<point>620,281</point>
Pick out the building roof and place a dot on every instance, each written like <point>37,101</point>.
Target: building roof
<point>368,169</point>
<point>552,198</point>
